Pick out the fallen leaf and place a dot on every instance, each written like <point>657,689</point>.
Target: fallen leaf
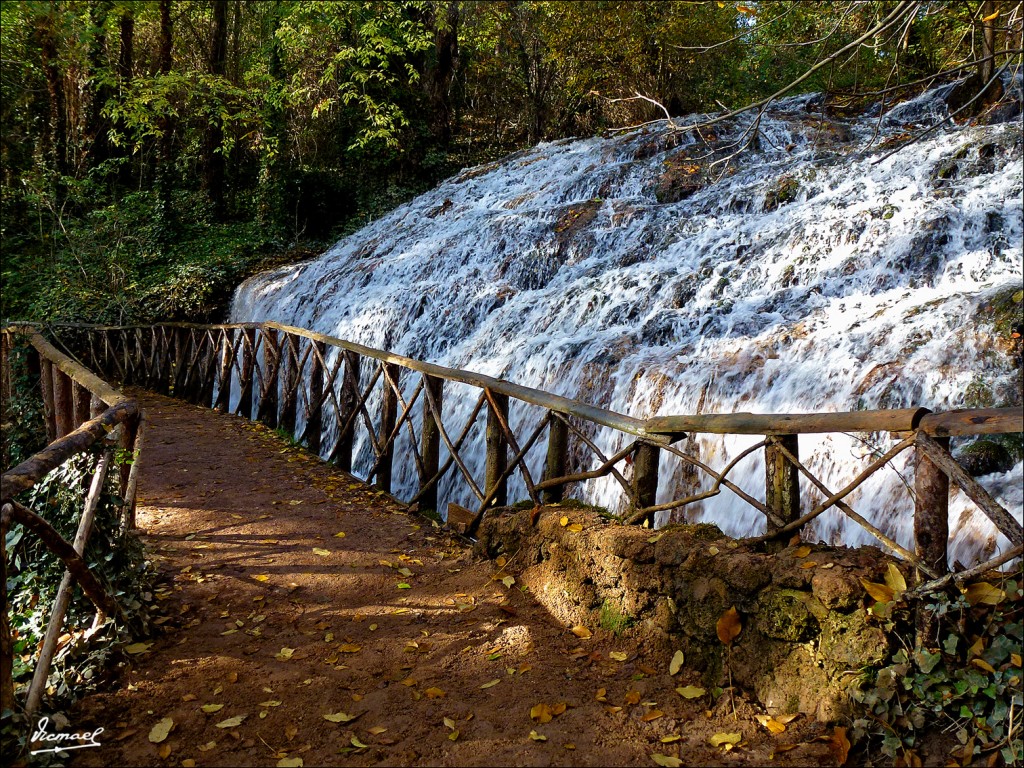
<point>350,648</point>
<point>557,709</point>
<point>211,708</point>
<point>321,552</point>
<point>713,550</point>
<point>538,736</point>
<point>581,632</point>
<point>159,731</point>
<point>721,738</point>
<point>654,714</point>
<point>232,722</point>
<point>377,730</point>
<point>501,561</point>
<point>339,535</point>
<point>508,581</point>
<point>491,683</point>
<point>984,593</point>
<point>807,564</point>
<point>575,528</point>
<point>271,703</point>
<point>291,731</point>
<point>803,551</point>
<point>690,692</point>
<point>541,713</point>
<point>563,521</point>
<point>982,664</point>
<point>729,626</point>
<point>189,697</point>
<point>188,762</point>
<point>341,717</point>
<point>355,742</point>
<point>618,656</point>
<point>290,762</point>
<point>1016,660</point>
<point>771,723</point>
<point>261,577</point>
<point>666,760</point>
<point>433,693</point>
<point>670,739</point>
<point>677,663</point>
<point>284,654</point>
<point>136,648</point>
<point>840,745</point>
<point>165,751</point>
<point>404,585</point>
<point>881,592</point>
<point>207,746</point>
<point>602,694</point>
<point>632,697</point>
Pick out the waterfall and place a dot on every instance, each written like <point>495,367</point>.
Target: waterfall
<point>663,271</point>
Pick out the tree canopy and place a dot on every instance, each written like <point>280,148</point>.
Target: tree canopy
<point>152,153</point>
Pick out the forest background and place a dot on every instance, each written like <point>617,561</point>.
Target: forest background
<point>153,154</point>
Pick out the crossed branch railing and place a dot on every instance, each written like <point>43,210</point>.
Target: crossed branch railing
<point>81,412</point>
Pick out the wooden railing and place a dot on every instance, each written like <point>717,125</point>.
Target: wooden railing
<point>81,412</point>
<point>304,382</point>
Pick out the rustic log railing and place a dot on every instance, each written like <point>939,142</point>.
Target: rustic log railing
<point>321,390</point>
<point>81,412</point>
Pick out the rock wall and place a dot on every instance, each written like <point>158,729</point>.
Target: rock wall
<point>805,628</point>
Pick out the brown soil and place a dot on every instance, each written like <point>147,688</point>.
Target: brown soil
<point>444,672</point>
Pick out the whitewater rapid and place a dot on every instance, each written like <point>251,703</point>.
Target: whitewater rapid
<point>654,272</point>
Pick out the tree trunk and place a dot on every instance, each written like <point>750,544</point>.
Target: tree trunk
<point>165,122</point>
<point>96,142</point>
<point>270,200</point>
<point>55,136</point>
<point>440,71</point>
<point>213,160</point>
<point>125,67</point>
<point>990,92</point>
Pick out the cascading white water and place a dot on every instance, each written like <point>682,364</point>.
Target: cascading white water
<point>652,273</point>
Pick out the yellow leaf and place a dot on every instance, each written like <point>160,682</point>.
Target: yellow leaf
<point>803,551</point>
<point>771,723</point>
<point>575,528</point>
<point>713,550</point>
<point>840,745</point>
<point>261,577</point>
<point>284,654</point>
<point>666,760</point>
<point>355,742</point>
<point>602,694</point>
<point>880,592</point>
<point>500,562</point>
<point>721,738</point>
<point>654,714</point>
<point>984,593</point>
<point>538,736</point>
<point>449,723</point>
<point>188,762</point>
<point>678,659</point>
<point>991,16</point>
<point>690,692</point>
<point>377,730</point>
<point>290,762</point>
<point>617,656</point>
<point>341,717</point>
<point>807,564</point>
<point>453,736</point>
<point>271,703</point>
<point>982,664</point>
<point>895,581</point>
<point>581,632</point>
<point>159,731</point>
<point>207,746</point>
<point>491,683</point>
<point>136,648</point>
<point>1016,660</point>
<point>563,521</point>
<point>557,709</point>
<point>211,708</point>
<point>321,552</point>
<point>632,697</point>
<point>508,581</point>
<point>231,722</point>
<point>165,751</point>
<point>350,648</point>
<point>433,693</point>
<point>670,739</point>
<point>729,626</point>
<point>541,713</point>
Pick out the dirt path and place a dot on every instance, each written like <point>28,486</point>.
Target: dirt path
<point>393,629</point>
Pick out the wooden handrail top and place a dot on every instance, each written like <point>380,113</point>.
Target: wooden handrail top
<point>33,469</point>
<point>659,429</point>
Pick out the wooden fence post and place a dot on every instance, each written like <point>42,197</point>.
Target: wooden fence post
<point>931,512</point>
<point>207,362</point>
<point>388,416</point>
<point>646,461</point>
<point>557,460</point>
<point>6,646</point>
<point>430,442</point>
<point>497,451</point>
<point>289,381</point>
<point>82,404</point>
<point>63,402</point>
<point>267,411</point>
<point>782,480</point>
<point>246,372</point>
<point>227,360</point>
<point>46,389</point>
<point>178,369</point>
<point>349,399</point>
<point>314,399</point>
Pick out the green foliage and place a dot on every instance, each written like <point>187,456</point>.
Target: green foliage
<point>613,619</point>
<point>964,680</point>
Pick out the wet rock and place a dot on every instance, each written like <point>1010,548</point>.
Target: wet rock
<point>783,614</point>
<point>983,457</point>
<point>836,588</point>
<point>781,192</point>
<point>847,641</point>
